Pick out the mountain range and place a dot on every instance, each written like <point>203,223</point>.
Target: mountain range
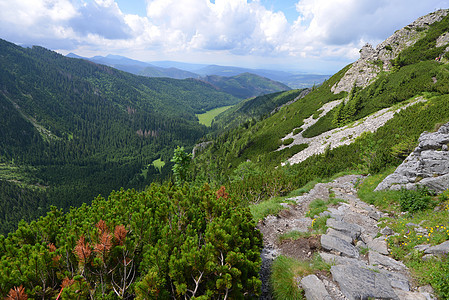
<point>180,70</point>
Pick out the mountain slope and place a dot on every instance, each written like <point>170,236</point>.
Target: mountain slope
<point>373,83</point>
<point>80,129</point>
<point>246,85</point>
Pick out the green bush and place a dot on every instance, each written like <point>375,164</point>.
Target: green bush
<point>412,201</point>
<point>287,141</point>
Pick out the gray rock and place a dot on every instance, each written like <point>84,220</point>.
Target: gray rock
<point>379,259</point>
<point>360,244</point>
<point>428,257</point>
<point>386,231</point>
<point>440,249</point>
<point>423,247</point>
<point>352,230</point>
<point>314,288</point>
<point>362,283</point>
<point>379,245</point>
<point>420,230</point>
<point>427,165</point>
<point>341,260</point>
<point>405,295</point>
<point>375,215</point>
<point>397,280</point>
<point>333,243</point>
<point>339,234</point>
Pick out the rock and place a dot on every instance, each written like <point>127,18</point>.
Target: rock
<point>440,249</point>
<point>386,231</point>
<point>426,289</point>
<point>314,288</point>
<point>375,215</point>
<point>422,247</point>
<point>427,165</point>
<point>349,229</point>
<point>420,230</point>
<point>360,244</point>
<point>397,280</point>
<point>333,243</point>
<point>405,295</point>
<point>341,260</point>
<point>362,283</point>
<point>379,259</point>
<point>428,257</point>
<point>411,225</point>
<point>379,245</point>
<point>339,234</point>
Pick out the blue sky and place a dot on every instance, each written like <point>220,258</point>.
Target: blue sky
<point>315,36</point>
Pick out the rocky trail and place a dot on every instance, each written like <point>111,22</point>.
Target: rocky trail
<point>353,244</point>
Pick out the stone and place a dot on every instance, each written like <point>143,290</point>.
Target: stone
<point>379,259</point>
<point>379,245</point>
<point>360,244</point>
<point>422,247</point>
<point>339,234</point>
<point>420,230</point>
<point>427,165</point>
<point>386,231</point>
<point>428,257</point>
<point>333,243</point>
<point>341,260</point>
<point>397,280</point>
<point>406,295</point>
<point>314,288</point>
<point>352,230</point>
<point>440,249</point>
<point>362,283</point>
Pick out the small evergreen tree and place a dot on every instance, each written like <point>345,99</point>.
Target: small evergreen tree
<point>182,162</point>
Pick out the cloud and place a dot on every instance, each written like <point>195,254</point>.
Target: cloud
<point>325,32</point>
<point>100,17</point>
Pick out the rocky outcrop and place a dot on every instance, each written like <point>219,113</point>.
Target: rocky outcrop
<point>372,61</point>
<point>427,165</point>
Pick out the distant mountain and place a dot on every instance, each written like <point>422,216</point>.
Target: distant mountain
<point>167,72</point>
<point>246,85</point>
<point>181,70</point>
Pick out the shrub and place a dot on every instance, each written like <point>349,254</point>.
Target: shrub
<point>287,141</point>
<point>412,201</point>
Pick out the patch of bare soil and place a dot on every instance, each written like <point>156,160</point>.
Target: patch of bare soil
<point>301,249</point>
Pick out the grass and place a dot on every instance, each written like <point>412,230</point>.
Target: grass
<point>158,164</point>
<point>286,271</point>
<point>271,206</point>
<point>209,116</point>
<point>294,235</point>
<point>433,271</point>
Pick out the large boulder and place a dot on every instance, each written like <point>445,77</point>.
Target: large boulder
<point>427,165</point>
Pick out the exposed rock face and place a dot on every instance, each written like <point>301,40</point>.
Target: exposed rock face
<point>427,165</point>
<point>372,61</point>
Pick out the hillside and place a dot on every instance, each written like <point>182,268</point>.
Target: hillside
<point>256,108</point>
<point>72,129</point>
<point>246,85</point>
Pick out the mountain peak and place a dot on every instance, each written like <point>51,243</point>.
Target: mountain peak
<point>373,61</point>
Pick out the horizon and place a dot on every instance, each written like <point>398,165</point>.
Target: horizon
<point>305,36</point>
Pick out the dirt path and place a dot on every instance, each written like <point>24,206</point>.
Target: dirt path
<point>352,229</point>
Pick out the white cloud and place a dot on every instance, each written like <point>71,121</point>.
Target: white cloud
<point>326,30</point>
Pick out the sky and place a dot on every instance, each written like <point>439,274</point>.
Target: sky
<point>313,36</point>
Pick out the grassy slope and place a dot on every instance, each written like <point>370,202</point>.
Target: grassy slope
<point>208,117</point>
